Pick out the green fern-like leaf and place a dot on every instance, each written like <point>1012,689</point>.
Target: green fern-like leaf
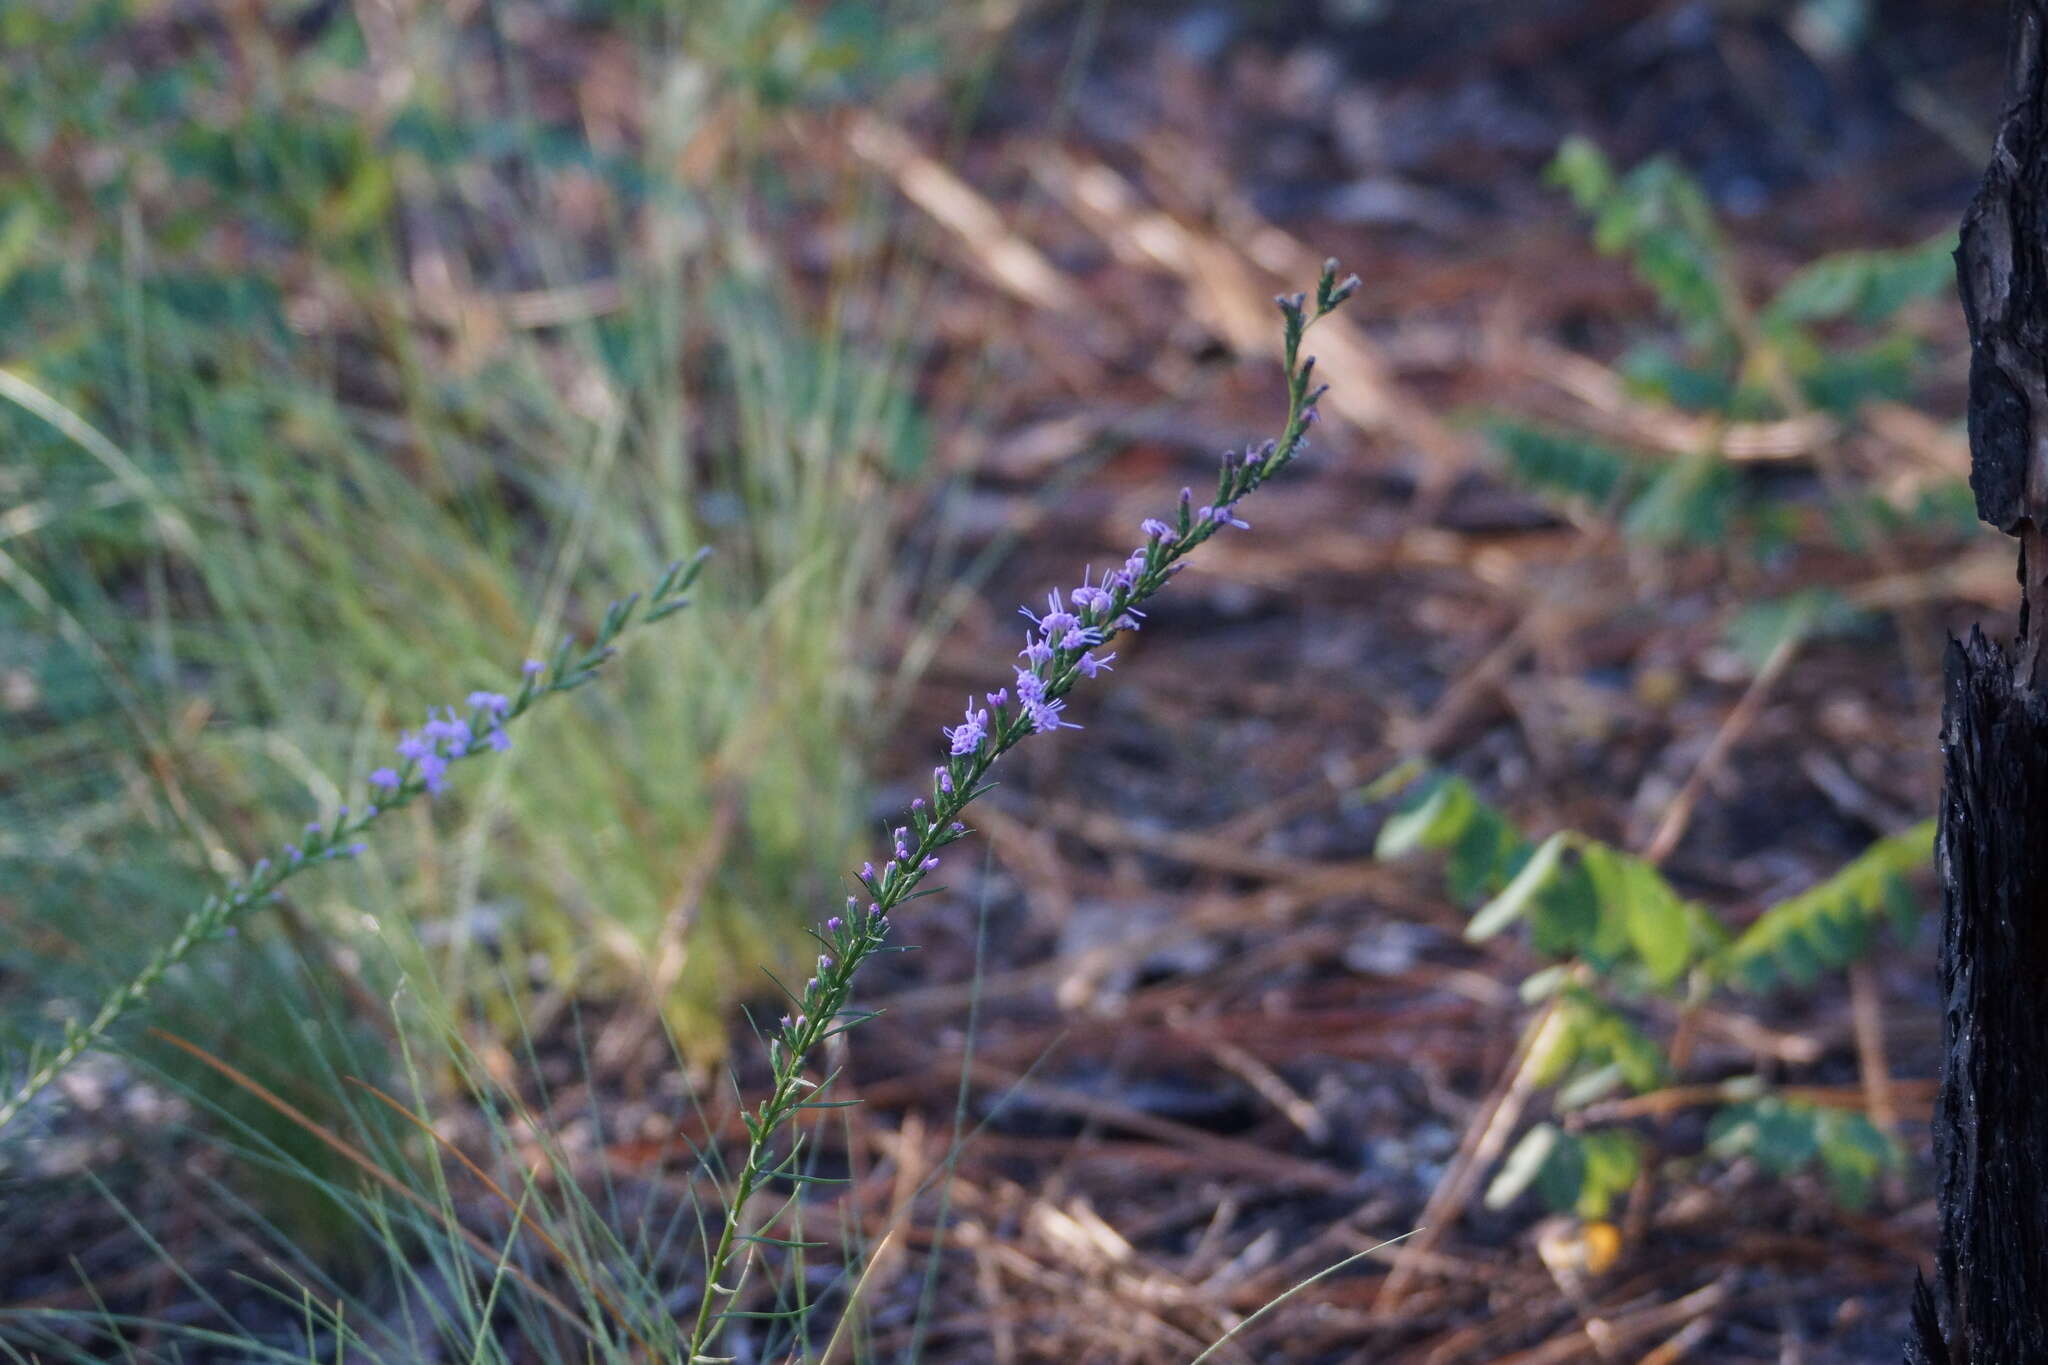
<point>1865,286</point>
<point>1787,1136</point>
<point>1832,924</point>
<point>1564,464</point>
<point>1660,218</point>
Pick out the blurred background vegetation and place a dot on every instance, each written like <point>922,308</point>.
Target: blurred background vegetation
<point>352,352</point>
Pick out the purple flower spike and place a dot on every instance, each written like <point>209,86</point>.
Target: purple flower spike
<point>385,778</point>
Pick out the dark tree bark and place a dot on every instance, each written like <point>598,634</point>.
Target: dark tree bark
<point>1989,1301</point>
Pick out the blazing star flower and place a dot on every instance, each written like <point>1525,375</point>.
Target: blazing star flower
<point>1092,596</point>
<point>387,778</point>
<point>533,668</point>
<point>1041,711</point>
<point>968,735</point>
<point>494,704</point>
<point>1058,624</point>
<point>1064,644</point>
<point>450,730</point>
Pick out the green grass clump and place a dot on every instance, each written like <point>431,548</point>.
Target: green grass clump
<point>321,407</point>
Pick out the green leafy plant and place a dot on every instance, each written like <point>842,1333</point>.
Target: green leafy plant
<point>1621,939</point>
<point>1797,365</point>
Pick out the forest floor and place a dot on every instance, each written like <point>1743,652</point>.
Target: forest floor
<point>1197,1043</point>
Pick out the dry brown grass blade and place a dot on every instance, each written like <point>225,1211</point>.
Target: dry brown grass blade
<point>1233,295</point>
<point>356,1157</point>
<point>1485,1138</point>
<point>1010,261</point>
<point>1622,415</point>
<point>1623,1331</point>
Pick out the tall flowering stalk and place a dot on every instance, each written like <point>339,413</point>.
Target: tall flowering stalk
<point>1064,645</point>
<point>422,761</point>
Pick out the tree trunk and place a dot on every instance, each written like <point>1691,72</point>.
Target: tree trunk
<point>1989,1301</point>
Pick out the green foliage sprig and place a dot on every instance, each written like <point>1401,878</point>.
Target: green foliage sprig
<point>1617,932</point>
<point>1833,336</point>
<point>1060,652</point>
<point>423,773</point>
